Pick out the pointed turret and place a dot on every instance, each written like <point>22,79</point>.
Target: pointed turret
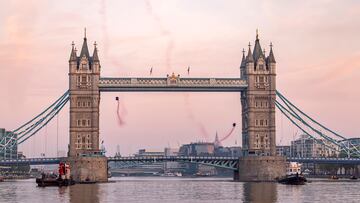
<point>257,48</point>
<point>95,54</point>
<point>84,48</point>
<point>217,142</point>
<point>271,58</point>
<point>243,60</point>
<point>249,57</point>
<point>73,56</point>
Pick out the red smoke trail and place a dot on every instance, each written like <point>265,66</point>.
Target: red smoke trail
<point>165,32</point>
<point>228,135</point>
<point>199,124</point>
<point>120,120</point>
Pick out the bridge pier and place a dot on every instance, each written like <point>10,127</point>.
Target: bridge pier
<point>260,168</point>
<point>84,169</point>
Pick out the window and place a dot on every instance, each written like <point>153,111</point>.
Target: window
<point>89,104</point>
<point>261,66</point>
<point>261,79</point>
<point>266,122</point>
<point>261,122</point>
<point>78,123</point>
<point>78,103</point>
<point>88,122</point>
<point>83,122</point>
<point>256,122</point>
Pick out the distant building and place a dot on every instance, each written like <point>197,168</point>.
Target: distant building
<point>9,139</point>
<point>306,146</point>
<point>283,151</point>
<point>197,149</point>
<point>171,166</point>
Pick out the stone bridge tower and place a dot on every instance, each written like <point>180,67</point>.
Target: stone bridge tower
<point>84,75</point>
<point>258,108</point>
<point>83,154</point>
<point>260,162</point>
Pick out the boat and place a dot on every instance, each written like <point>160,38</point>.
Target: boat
<point>169,174</point>
<point>63,179</point>
<point>334,177</point>
<point>296,179</point>
<point>201,174</point>
<point>1,179</point>
<point>353,178</point>
<point>46,181</point>
<point>293,175</point>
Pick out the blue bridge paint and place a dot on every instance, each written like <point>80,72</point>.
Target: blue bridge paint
<point>222,162</point>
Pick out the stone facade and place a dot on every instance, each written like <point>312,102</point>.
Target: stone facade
<point>84,75</point>
<point>258,107</point>
<point>88,169</point>
<point>260,168</point>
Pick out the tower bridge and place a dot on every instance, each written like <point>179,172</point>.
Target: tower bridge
<point>256,86</point>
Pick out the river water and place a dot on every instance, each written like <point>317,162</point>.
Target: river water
<point>156,189</point>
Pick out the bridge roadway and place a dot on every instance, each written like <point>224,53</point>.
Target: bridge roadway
<point>222,162</point>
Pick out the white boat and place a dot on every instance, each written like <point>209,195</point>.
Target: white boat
<point>169,174</point>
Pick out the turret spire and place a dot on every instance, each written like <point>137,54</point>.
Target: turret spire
<point>84,49</point>
<point>271,57</point>
<point>73,52</point>
<point>95,54</point>
<point>243,60</point>
<point>249,57</point>
<point>257,48</point>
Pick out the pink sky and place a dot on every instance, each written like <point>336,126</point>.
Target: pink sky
<point>316,45</point>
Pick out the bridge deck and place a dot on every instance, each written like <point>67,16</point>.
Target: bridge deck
<point>172,84</point>
<point>197,159</point>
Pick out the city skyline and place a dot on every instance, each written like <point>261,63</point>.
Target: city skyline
<point>315,68</point>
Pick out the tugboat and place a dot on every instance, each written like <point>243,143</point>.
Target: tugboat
<point>293,175</point>
<point>63,179</point>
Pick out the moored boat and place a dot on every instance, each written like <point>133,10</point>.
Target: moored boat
<point>293,180</point>
<point>293,175</point>
<point>353,178</point>
<point>63,179</point>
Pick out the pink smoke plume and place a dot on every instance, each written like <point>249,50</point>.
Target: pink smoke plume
<point>120,113</point>
<point>199,124</point>
<point>165,32</point>
<point>228,135</point>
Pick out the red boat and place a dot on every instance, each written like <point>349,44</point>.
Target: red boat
<point>63,179</point>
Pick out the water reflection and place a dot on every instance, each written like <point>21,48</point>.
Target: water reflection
<point>84,193</point>
<point>260,192</point>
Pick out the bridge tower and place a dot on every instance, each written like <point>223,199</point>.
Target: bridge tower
<point>260,162</point>
<point>84,76</point>
<point>258,107</point>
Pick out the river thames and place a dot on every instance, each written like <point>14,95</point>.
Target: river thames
<point>140,189</point>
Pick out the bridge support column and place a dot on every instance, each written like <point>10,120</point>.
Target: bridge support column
<point>260,168</point>
<point>84,169</point>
